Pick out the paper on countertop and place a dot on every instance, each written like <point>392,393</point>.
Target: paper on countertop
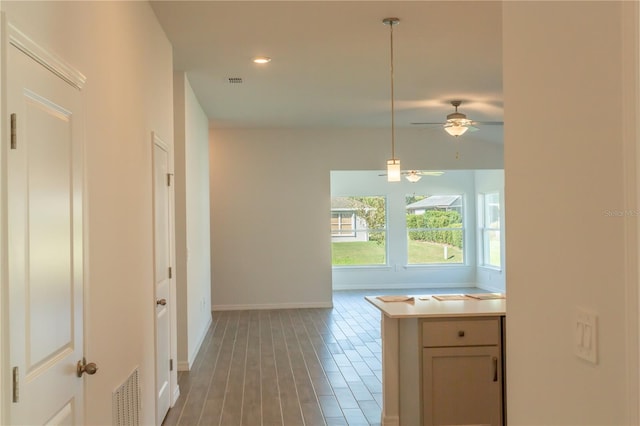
<point>487,296</point>
<point>395,298</point>
<point>444,297</point>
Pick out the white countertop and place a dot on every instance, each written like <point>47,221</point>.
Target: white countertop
<point>439,308</point>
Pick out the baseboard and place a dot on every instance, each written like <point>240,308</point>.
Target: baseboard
<point>391,421</point>
<point>339,287</point>
<point>176,395</point>
<point>186,365</point>
<point>196,349</point>
<point>490,289</point>
<point>262,306</point>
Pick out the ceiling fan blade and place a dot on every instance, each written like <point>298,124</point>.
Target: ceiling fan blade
<point>419,172</point>
<point>429,124</point>
<point>489,123</point>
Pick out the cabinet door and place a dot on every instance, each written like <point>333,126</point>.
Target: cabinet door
<point>462,386</point>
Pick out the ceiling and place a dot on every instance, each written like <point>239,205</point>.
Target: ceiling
<point>331,61</point>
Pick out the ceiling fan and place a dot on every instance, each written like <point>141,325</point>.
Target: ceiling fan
<point>415,175</point>
<point>457,123</point>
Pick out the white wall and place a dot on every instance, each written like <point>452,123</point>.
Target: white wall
<point>569,125</point>
<point>192,221</point>
<point>271,198</point>
<point>127,60</point>
<point>489,278</point>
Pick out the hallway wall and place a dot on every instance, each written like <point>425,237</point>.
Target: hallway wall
<point>570,140</point>
<point>123,52</point>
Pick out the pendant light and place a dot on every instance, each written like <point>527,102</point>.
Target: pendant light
<point>393,164</point>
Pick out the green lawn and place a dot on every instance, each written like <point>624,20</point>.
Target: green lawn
<point>358,253</point>
<point>495,252</point>
<point>372,253</point>
<point>425,252</point>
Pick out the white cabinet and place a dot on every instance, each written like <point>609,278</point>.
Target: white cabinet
<point>440,360</point>
<point>462,371</point>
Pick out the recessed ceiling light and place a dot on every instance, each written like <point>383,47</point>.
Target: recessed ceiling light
<point>262,60</point>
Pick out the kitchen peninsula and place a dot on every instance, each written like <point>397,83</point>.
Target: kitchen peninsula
<point>442,359</point>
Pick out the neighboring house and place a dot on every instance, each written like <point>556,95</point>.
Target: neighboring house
<point>436,202</point>
<point>346,225</point>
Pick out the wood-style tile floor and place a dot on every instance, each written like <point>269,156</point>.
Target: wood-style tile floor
<point>294,367</point>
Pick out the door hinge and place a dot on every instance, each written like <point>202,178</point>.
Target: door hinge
<point>171,365</point>
<point>14,131</point>
<point>170,272</point>
<point>169,178</point>
<point>16,385</point>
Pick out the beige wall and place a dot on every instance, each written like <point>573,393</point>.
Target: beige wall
<point>271,198</point>
<point>127,60</point>
<point>569,125</point>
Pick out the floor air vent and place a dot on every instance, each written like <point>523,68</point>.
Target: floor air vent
<point>126,402</point>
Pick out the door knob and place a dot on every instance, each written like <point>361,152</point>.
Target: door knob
<point>83,367</point>
<point>161,302</point>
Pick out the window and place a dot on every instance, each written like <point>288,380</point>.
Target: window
<point>358,231</point>
<point>343,224</point>
<point>435,229</point>
<point>490,229</point>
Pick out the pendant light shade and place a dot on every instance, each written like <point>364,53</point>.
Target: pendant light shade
<point>393,164</point>
<point>393,170</point>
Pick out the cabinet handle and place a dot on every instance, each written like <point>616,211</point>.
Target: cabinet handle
<point>460,333</point>
<point>495,368</point>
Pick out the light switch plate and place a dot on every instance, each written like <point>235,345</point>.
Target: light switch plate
<point>586,335</point>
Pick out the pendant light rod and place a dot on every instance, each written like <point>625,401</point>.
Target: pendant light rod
<point>393,165</point>
<point>391,22</point>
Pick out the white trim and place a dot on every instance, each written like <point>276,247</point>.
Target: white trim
<point>175,396</point>
<point>260,306</point>
<point>45,58</point>
<point>490,289</point>
<point>156,140</point>
<point>196,349</point>
<point>387,286</point>
<point>391,421</point>
<point>4,282</point>
<point>184,366</point>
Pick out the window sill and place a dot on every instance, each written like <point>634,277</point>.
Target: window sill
<point>377,267</point>
<point>491,268</point>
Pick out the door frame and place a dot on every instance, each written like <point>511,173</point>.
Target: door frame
<point>174,389</point>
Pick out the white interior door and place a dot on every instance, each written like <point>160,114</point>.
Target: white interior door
<point>163,274</point>
<point>45,244</point>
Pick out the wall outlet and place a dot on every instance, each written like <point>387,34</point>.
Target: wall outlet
<point>586,335</point>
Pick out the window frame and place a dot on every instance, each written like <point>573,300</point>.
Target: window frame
<point>340,231</point>
<point>368,231</point>
<point>484,229</point>
<point>462,209</point>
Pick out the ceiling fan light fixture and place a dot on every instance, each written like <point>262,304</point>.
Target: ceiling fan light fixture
<point>413,176</point>
<point>456,129</point>
<point>261,59</point>
<point>457,123</point>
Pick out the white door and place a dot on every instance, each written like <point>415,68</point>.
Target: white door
<point>45,244</point>
<point>163,273</point>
